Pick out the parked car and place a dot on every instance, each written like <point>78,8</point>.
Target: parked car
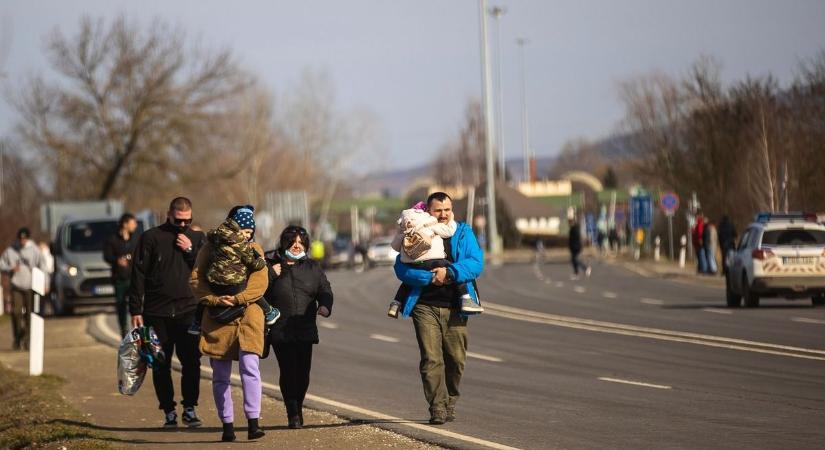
<point>343,254</point>
<point>779,255</point>
<point>381,253</point>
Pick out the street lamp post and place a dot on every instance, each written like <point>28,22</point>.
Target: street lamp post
<point>496,12</point>
<point>486,79</point>
<point>525,131</point>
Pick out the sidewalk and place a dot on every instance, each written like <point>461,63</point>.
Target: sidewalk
<point>665,269</point>
<point>89,369</point>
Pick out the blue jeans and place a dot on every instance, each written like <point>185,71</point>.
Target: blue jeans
<point>701,260</point>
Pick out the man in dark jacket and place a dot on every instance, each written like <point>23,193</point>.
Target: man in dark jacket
<point>118,253</point>
<point>727,240</point>
<point>574,242</point>
<point>161,297</point>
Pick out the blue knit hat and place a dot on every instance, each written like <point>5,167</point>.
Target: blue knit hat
<point>245,217</point>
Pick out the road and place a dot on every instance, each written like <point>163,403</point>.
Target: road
<point>614,361</point>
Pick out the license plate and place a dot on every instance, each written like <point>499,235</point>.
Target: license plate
<point>798,260</point>
<point>104,290</point>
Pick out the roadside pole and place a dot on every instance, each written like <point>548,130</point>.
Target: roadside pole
<point>36,324</point>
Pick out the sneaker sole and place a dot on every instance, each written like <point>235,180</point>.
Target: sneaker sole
<point>269,324</point>
<point>472,310</point>
<point>169,426</point>
<point>193,424</point>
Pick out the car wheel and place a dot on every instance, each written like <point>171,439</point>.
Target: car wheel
<point>734,300</point>
<point>818,300</point>
<point>59,304</point>
<point>751,299</point>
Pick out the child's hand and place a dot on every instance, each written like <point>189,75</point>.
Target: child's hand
<point>277,269</point>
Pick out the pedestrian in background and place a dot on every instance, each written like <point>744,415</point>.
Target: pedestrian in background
<point>727,240</point>
<point>117,251</point>
<point>161,297</point>
<point>711,241</point>
<point>574,243</point>
<point>301,291</point>
<point>17,262</point>
<point>697,238</point>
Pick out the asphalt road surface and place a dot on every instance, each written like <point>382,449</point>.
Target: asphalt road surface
<point>612,361</point>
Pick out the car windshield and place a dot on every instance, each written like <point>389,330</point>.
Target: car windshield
<point>90,236</point>
<point>796,236</point>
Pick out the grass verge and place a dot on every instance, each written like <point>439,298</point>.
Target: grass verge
<point>35,415</point>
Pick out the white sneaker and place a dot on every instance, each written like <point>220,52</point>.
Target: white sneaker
<point>469,306</point>
<point>393,311</point>
<point>588,271</point>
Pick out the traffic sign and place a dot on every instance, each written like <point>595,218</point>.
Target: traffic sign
<point>669,202</point>
<point>641,212</point>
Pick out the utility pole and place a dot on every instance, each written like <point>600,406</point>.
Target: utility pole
<point>496,12</point>
<point>525,131</point>
<point>486,79</point>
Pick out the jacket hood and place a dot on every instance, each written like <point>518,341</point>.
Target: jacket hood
<point>227,233</point>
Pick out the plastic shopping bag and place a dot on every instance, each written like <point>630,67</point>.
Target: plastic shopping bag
<point>139,350</point>
<point>131,367</point>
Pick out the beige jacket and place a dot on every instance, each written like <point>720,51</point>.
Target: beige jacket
<point>421,220</point>
<point>224,341</point>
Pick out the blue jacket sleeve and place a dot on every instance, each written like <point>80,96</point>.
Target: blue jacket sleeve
<point>471,262</point>
<point>410,275</point>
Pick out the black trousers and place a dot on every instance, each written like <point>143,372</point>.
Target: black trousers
<point>173,336</point>
<point>295,363</point>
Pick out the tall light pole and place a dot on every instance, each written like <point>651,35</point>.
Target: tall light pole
<point>525,124</point>
<point>486,80</point>
<point>496,12</point>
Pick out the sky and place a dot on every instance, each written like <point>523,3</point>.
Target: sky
<point>414,64</point>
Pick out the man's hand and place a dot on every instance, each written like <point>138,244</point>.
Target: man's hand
<point>439,276</point>
<point>228,300</point>
<point>277,269</point>
<point>137,321</point>
<point>183,242</point>
<point>323,311</point>
<point>123,261</point>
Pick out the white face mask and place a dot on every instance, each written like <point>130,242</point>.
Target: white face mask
<point>290,255</point>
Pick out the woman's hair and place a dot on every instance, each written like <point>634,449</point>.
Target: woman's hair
<point>288,237</point>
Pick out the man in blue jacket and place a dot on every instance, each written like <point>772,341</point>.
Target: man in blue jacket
<point>440,327</point>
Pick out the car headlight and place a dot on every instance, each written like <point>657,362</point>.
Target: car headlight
<point>69,269</point>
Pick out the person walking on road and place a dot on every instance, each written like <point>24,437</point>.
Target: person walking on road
<point>698,240</point>
<point>440,327</point>
<point>711,241</point>
<point>727,240</point>
<point>242,338</point>
<point>300,290</point>
<point>161,297</point>
<point>118,253</point>
<point>17,262</point>
<point>574,243</point>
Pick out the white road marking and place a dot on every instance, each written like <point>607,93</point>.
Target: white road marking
<point>634,383</point>
<point>328,325</point>
<point>484,357</point>
<point>717,310</point>
<point>651,301</point>
<point>807,320</point>
<point>104,327</point>
<point>381,337</point>
<point>548,281</point>
<point>524,315</point>
<point>559,284</point>
<point>580,289</point>
<point>608,294</point>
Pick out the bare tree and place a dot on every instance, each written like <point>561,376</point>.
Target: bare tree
<point>130,107</point>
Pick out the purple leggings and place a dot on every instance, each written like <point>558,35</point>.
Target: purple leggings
<point>250,380</point>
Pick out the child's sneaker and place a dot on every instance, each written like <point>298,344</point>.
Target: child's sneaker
<point>272,315</point>
<point>170,419</point>
<point>190,417</point>
<point>194,329</point>
<point>469,306</point>
<point>394,307</point>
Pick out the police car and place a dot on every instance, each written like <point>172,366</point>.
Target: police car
<point>779,255</point>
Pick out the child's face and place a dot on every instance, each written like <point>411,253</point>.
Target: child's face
<point>247,234</point>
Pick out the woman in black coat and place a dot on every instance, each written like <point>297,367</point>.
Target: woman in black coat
<point>300,290</point>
